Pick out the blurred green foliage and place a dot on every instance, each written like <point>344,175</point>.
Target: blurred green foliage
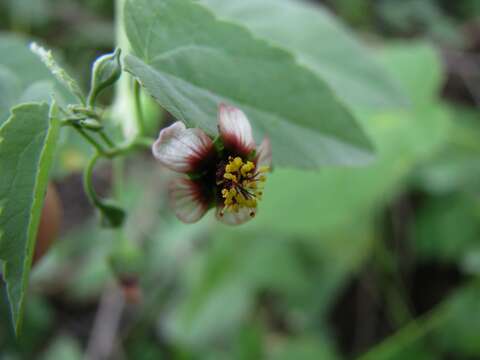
<point>273,288</point>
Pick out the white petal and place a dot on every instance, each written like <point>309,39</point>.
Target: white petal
<point>180,149</point>
<point>235,129</point>
<point>264,153</point>
<point>235,218</point>
<point>186,200</point>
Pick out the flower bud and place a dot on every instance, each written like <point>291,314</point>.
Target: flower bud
<point>106,71</point>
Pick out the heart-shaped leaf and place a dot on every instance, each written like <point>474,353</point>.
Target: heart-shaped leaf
<point>190,62</point>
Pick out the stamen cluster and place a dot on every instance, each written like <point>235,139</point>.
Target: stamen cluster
<point>241,185</point>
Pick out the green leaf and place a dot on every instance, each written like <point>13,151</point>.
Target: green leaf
<point>190,62</point>
<point>321,43</point>
<point>20,60</point>
<point>304,347</point>
<point>418,68</point>
<point>446,228</point>
<point>27,143</point>
<point>457,166</point>
<point>213,278</point>
<point>9,91</point>
<point>23,77</point>
<point>426,16</point>
<point>332,198</point>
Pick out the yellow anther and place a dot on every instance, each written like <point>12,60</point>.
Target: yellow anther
<point>234,165</point>
<point>229,176</point>
<point>240,199</point>
<point>251,203</point>
<point>247,167</point>
<point>238,161</point>
<point>247,179</point>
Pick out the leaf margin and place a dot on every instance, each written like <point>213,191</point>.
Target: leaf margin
<point>46,158</point>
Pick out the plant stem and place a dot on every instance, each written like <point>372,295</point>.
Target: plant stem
<point>90,139</point>
<point>138,108</point>
<point>107,139</point>
<point>90,112</point>
<point>142,142</point>
<point>139,141</point>
<point>124,107</point>
<point>118,167</point>
<point>88,180</point>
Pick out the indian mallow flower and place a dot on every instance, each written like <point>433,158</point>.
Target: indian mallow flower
<point>226,173</point>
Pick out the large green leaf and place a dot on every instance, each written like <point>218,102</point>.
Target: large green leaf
<point>319,42</point>
<point>332,198</point>
<point>190,62</point>
<point>27,143</point>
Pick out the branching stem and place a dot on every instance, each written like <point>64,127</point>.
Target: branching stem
<point>90,139</point>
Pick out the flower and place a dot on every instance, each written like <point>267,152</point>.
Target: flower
<point>226,173</point>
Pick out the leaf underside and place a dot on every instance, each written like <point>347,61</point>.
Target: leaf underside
<point>322,44</point>
<point>190,62</point>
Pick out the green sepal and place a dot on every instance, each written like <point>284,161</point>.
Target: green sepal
<point>112,215</point>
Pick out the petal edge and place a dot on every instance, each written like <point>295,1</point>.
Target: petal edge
<point>232,218</point>
<point>181,149</point>
<point>264,153</point>
<point>186,200</point>
<point>235,130</point>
